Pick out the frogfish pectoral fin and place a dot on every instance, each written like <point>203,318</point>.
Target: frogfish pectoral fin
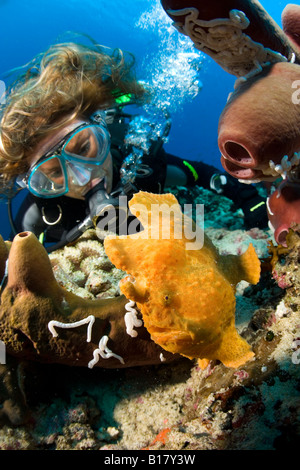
<point>133,290</point>
<point>234,351</point>
<point>203,363</point>
<point>172,340</point>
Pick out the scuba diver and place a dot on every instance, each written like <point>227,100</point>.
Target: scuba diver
<point>63,138</point>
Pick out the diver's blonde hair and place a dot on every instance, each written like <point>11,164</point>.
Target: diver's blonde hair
<point>67,81</point>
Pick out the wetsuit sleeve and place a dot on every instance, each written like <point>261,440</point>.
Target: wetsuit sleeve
<point>55,217</point>
<point>197,173</point>
<point>29,217</point>
<point>201,174</point>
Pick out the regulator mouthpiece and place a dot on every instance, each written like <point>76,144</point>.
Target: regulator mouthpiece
<point>106,212</point>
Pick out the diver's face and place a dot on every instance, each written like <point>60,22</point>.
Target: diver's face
<point>81,144</point>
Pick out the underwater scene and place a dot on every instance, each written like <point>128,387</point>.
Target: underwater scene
<point>150,227</point>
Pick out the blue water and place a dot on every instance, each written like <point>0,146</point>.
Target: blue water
<point>139,26</point>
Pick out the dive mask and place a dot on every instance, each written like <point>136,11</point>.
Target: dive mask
<point>72,163</point>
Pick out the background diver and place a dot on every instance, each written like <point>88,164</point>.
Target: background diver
<point>63,137</point>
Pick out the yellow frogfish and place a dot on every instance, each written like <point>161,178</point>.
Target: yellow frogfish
<point>183,287</point>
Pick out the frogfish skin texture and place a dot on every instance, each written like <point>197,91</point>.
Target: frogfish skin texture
<point>186,296</point>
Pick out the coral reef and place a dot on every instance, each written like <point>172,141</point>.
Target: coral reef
<point>266,147</point>
<point>174,406</point>
<point>85,269</point>
<point>183,288</point>
<point>283,209</point>
<point>291,23</point>
<point>3,257</point>
<point>41,320</point>
<point>13,409</point>
<point>258,131</point>
<point>238,34</point>
<point>285,267</point>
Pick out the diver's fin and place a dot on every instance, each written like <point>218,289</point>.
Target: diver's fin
<point>245,267</point>
<point>234,350</point>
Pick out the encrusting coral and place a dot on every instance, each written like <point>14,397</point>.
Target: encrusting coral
<point>258,133</point>
<point>283,207</point>
<point>3,257</point>
<point>84,269</point>
<point>40,320</point>
<point>285,266</point>
<point>265,143</point>
<point>184,290</point>
<point>238,34</point>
